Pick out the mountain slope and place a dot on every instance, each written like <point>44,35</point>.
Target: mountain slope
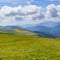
<point>15,30</point>
<point>46,29</point>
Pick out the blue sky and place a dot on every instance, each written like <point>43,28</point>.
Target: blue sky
<point>42,3</point>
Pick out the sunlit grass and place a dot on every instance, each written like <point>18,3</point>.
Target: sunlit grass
<point>22,47</point>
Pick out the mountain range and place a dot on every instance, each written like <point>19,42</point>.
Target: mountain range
<point>46,29</point>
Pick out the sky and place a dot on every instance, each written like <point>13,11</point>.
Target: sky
<point>28,12</point>
<point>42,3</point>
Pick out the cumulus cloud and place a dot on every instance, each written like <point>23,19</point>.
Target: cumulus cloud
<point>22,11</point>
<point>29,14</point>
<point>20,15</point>
<point>53,12</point>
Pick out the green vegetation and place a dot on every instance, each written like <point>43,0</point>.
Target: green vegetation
<point>23,47</point>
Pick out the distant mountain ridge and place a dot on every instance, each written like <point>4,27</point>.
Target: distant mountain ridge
<point>46,29</point>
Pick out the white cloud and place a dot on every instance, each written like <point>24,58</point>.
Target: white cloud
<point>19,15</point>
<point>53,11</point>
<point>30,14</point>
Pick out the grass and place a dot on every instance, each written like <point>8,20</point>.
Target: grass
<point>22,47</point>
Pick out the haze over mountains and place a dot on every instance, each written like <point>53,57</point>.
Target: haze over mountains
<point>47,29</point>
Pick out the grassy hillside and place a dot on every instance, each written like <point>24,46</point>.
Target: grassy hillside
<point>23,47</point>
<point>15,30</point>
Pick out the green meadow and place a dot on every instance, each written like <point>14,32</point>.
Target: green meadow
<point>25,47</point>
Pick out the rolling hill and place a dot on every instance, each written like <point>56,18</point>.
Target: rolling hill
<point>15,30</point>
<point>18,43</point>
